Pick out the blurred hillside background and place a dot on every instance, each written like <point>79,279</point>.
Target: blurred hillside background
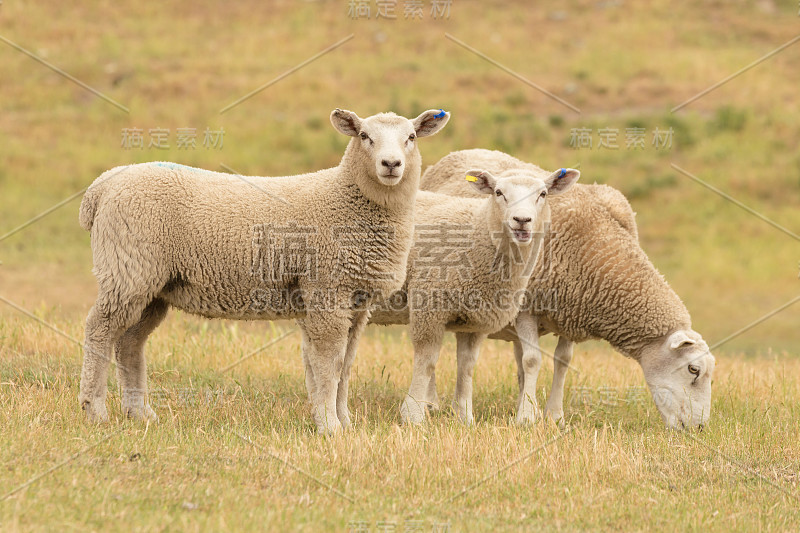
<point>623,65</point>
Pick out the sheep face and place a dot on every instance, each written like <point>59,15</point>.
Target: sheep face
<point>678,370</point>
<point>520,199</point>
<point>387,140</point>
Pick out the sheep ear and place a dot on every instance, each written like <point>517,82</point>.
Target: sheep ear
<point>482,180</point>
<point>346,122</point>
<point>680,339</point>
<point>430,122</point>
<point>561,180</point>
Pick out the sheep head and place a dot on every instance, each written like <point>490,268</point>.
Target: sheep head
<point>389,141</point>
<point>520,199</point>
<point>678,370</point>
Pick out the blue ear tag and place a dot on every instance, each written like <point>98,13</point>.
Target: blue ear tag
<point>440,115</point>
<point>563,173</point>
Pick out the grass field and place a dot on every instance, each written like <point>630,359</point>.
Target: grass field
<point>622,65</point>
<point>614,466</point>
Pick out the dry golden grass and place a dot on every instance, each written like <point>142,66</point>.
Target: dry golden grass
<point>614,466</point>
<point>623,64</point>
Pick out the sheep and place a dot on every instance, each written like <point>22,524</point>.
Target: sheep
<point>467,273</point>
<point>312,247</point>
<point>605,288</point>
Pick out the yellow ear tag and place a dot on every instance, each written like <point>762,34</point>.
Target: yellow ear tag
<point>472,178</point>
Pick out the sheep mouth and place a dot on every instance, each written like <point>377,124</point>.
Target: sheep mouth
<point>522,235</point>
<point>389,179</point>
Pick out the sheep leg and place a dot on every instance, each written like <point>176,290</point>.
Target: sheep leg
<point>131,363</point>
<point>304,349</point>
<point>427,344</point>
<point>520,372</point>
<point>432,396</point>
<point>359,323</point>
<point>561,358</point>
<point>528,333</point>
<point>327,336</point>
<point>468,349</point>
<point>103,328</point>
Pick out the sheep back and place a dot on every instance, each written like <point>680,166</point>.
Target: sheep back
<point>593,280</point>
<point>221,245</point>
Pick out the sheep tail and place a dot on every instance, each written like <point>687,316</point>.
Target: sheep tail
<point>91,200</point>
<point>88,208</point>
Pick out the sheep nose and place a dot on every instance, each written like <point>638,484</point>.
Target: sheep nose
<point>391,165</point>
<point>522,220</point>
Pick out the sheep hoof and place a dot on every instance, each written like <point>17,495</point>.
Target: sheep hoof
<point>330,428</point>
<point>344,418</point>
<point>527,414</point>
<point>555,416</point>
<point>466,419</point>
<point>464,415</point>
<point>412,411</point>
<point>95,411</point>
<point>327,423</point>
<point>143,413</point>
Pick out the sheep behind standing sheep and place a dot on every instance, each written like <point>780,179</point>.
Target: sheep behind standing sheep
<point>605,288</point>
<point>210,244</point>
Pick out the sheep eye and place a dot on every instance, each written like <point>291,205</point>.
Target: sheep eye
<point>544,193</point>
<point>363,136</point>
<point>498,192</point>
<point>694,369</point>
<point>412,137</point>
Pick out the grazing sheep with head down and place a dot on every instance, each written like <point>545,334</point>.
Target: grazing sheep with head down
<point>605,288</point>
<point>211,244</point>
